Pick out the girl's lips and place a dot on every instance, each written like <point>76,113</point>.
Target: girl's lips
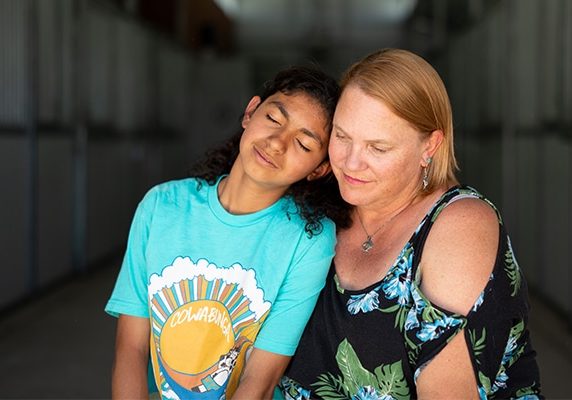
<point>263,158</point>
<point>354,181</point>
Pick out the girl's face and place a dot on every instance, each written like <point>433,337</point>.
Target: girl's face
<point>376,156</point>
<point>285,140</point>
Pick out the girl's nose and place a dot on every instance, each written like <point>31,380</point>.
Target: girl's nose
<point>277,142</point>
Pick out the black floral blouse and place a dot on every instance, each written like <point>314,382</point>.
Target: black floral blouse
<point>372,343</point>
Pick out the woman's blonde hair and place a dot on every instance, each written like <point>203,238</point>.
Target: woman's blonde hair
<point>412,88</point>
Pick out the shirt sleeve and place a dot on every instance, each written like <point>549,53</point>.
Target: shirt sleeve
<point>297,295</point>
<point>129,295</point>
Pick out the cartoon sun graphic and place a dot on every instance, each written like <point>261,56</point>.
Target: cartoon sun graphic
<point>204,319</point>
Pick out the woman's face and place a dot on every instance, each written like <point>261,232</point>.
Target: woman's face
<point>376,156</point>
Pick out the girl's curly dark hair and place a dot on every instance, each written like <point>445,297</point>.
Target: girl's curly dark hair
<point>314,199</point>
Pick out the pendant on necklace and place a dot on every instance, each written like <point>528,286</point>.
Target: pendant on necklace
<point>367,245</point>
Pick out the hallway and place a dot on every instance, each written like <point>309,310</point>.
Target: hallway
<point>60,345</point>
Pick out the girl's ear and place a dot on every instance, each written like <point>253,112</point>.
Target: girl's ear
<point>321,170</point>
<point>250,108</point>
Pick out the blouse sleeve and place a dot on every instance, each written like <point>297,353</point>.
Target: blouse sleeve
<point>428,329</point>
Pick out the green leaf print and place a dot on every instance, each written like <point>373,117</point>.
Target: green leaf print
<point>517,330</point>
<point>478,344</point>
<point>513,271</point>
<point>485,382</point>
<point>354,374</point>
<point>330,387</point>
<point>392,381</point>
<point>526,390</point>
<point>388,380</point>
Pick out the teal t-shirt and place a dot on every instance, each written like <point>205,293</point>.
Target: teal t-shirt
<point>214,284</point>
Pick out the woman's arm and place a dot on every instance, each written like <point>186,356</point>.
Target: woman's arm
<point>129,374</point>
<point>261,374</point>
<point>457,261</point>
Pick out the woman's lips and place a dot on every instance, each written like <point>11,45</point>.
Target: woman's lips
<point>354,181</point>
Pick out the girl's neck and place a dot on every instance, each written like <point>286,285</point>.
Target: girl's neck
<point>239,195</point>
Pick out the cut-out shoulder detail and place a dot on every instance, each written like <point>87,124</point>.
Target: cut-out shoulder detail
<point>459,254</point>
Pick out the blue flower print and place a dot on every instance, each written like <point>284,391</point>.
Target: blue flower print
<point>509,349</point>
<point>500,382</point>
<point>399,284</point>
<point>482,393</point>
<point>415,312</point>
<point>433,330</point>
<point>412,320</point>
<point>292,390</point>
<point>478,302</point>
<point>363,302</point>
<point>369,393</point>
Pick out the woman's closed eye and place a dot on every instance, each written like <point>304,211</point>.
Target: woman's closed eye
<point>378,150</point>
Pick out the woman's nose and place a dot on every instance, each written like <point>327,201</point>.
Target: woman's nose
<point>353,159</point>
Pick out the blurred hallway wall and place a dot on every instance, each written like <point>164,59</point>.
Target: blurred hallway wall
<point>95,108</point>
<point>509,75</point>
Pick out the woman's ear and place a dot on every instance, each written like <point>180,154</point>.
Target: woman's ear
<point>250,109</point>
<point>433,142</point>
<point>321,170</point>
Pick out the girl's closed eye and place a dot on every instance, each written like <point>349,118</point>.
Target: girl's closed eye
<point>304,148</point>
<point>271,119</point>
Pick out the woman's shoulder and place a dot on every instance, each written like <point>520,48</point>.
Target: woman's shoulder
<point>460,252</point>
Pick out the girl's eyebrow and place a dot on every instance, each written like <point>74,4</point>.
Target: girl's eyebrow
<point>305,131</point>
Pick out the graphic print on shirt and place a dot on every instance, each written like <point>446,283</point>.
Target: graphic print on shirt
<point>205,319</point>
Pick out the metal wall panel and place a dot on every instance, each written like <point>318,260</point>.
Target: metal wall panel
<point>134,78</point>
<point>220,95</point>
<point>101,79</point>
<point>14,40</point>
<point>524,60</point>
<point>49,60</point>
<point>567,63</point>
<point>525,231</point>
<point>492,68</point>
<point>14,214</point>
<point>555,237</point>
<point>175,87</point>
<point>55,208</point>
<point>114,174</point>
<point>550,68</point>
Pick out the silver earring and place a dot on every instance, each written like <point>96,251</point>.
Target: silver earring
<point>426,173</point>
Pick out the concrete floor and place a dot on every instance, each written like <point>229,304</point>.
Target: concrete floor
<point>60,346</point>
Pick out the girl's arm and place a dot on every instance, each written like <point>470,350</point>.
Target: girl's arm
<point>261,374</point>
<point>129,373</point>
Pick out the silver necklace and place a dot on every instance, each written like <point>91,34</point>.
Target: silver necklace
<point>367,244</point>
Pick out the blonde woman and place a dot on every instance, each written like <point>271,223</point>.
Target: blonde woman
<point>425,298</point>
